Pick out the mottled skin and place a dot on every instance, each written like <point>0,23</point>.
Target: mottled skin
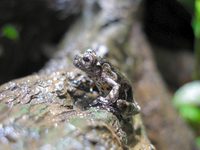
<point>115,90</point>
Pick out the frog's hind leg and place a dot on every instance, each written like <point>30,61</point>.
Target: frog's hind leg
<point>127,109</point>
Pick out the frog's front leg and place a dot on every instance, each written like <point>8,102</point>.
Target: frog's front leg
<point>113,95</point>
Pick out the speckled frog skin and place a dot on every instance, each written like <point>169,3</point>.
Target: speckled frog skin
<point>115,90</point>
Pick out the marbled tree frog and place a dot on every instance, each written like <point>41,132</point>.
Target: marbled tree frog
<point>115,91</point>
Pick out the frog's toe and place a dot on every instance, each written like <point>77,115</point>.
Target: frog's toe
<point>128,109</point>
<point>134,108</point>
<point>137,107</point>
<point>94,103</point>
<point>122,104</point>
<point>99,102</point>
<point>103,100</point>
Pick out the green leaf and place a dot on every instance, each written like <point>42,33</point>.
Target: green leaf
<point>196,20</point>
<point>197,7</point>
<point>190,113</point>
<point>9,31</point>
<point>196,27</point>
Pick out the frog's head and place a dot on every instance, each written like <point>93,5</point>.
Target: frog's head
<point>88,62</point>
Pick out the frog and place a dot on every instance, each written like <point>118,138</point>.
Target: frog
<point>115,90</point>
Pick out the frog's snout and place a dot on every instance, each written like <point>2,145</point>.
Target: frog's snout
<point>76,61</point>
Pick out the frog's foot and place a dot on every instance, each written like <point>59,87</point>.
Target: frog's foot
<point>127,109</point>
<point>100,101</point>
<point>103,103</point>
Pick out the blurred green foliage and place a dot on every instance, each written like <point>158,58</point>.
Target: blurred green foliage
<point>187,101</point>
<point>191,114</point>
<point>196,21</point>
<point>196,28</point>
<point>187,98</point>
<point>9,31</point>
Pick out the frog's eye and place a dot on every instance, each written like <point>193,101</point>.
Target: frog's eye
<point>86,58</point>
